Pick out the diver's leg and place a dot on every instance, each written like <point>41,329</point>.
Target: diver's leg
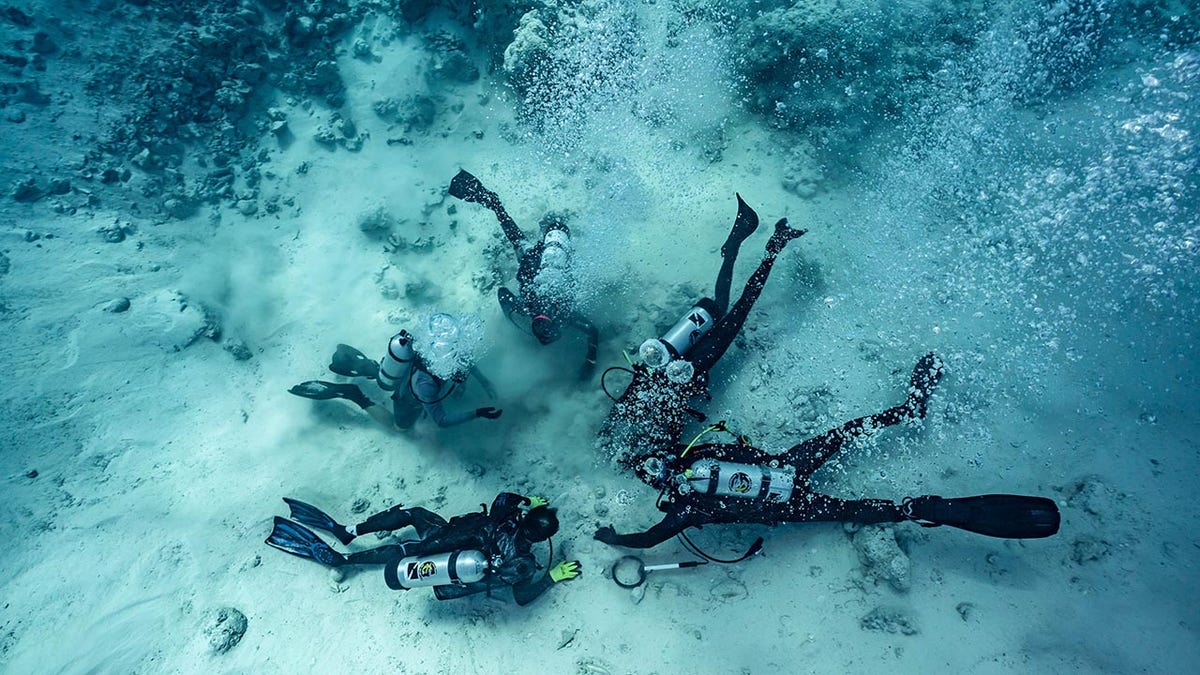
<point>398,517</point>
<point>714,345</point>
<point>812,507</point>
<point>378,556</point>
<point>925,376</point>
<point>744,225</point>
<point>380,414</point>
<point>810,455</point>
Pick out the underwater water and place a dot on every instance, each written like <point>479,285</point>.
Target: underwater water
<point>202,199</point>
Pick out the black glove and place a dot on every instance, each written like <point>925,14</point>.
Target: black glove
<point>488,412</point>
<point>605,534</point>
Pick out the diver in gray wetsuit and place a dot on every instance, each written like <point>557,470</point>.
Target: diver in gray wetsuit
<point>418,377</point>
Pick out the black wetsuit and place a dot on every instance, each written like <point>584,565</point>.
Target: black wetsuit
<point>653,411</point>
<point>532,304</point>
<point>685,507</point>
<point>496,533</point>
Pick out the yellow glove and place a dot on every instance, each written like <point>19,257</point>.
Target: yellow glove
<point>535,502</point>
<point>565,571</point>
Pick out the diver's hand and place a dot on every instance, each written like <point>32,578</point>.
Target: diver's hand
<point>606,534</point>
<point>565,571</point>
<point>535,502</point>
<point>488,412</point>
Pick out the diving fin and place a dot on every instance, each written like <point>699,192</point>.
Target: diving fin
<point>350,362</point>
<point>782,235</point>
<point>468,188</point>
<point>309,515</point>
<point>298,540</point>
<point>744,225</point>
<point>318,390</point>
<point>1004,516</point>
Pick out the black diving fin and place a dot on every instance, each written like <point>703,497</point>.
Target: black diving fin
<point>744,225</point>
<point>350,362</point>
<point>298,540</point>
<point>1004,516</point>
<point>309,515</point>
<point>468,188</point>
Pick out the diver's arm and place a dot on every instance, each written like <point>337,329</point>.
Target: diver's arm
<point>671,525</point>
<point>525,593</point>
<point>469,188</point>
<point>593,341</point>
<point>428,391</point>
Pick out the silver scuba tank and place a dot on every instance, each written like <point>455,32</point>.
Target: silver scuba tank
<point>675,343</point>
<point>747,481</point>
<point>394,365</point>
<point>442,569</point>
<point>556,248</point>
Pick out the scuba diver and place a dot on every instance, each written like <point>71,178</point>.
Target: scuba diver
<point>738,483</point>
<point>543,274</point>
<point>654,409</point>
<point>418,373</point>
<point>468,554</point>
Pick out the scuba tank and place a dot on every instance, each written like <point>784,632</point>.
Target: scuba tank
<point>556,248</point>
<point>746,481</point>
<point>394,364</point>
<point>552,283</point>
<point>657,352</point>
<point>441,569</point>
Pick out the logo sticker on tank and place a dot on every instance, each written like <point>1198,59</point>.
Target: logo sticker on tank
<point>739,483</point>
<point>428,569</point>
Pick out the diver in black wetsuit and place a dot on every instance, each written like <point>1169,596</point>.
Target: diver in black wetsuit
<point>738,483</point>
<point>654,409</point>
<point>543,279</point>
<point>468,554</point>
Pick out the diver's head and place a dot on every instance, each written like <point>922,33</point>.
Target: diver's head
<point>653,469</point>
<point>545,329</point>
<point>540,523</point>
<point>447,345</point>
